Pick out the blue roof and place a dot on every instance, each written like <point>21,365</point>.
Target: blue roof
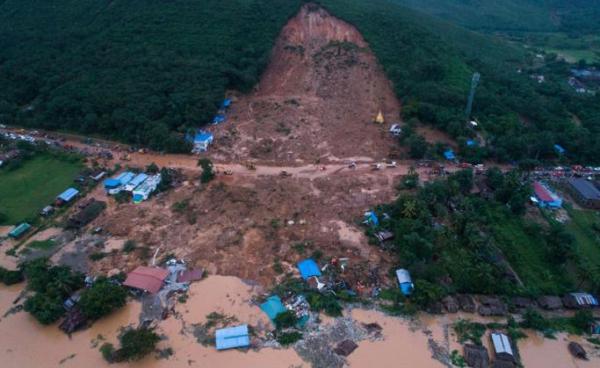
<point>471,143</point>
<point>559,149</point>
<point>272,307</point>
<point>308,268</point>
<point>449,154</point>
<point>219,119</point>
<point>139,179</point>
<point>68,194</point>
<point>232,337</point>
<point>111,183</point>
<point>226,103</point>
<point>125,177</point>
<point>203,137</point>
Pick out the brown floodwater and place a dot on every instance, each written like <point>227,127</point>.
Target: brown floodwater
<point>536,351</point>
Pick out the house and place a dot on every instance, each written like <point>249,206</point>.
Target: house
<point>396,130</point>
<point>47,211</point>
<point>449,155</point>
<point>585,192</point>
<point>135,182</point>
<point>580,301</point>
<point>273,307</point>
<point>66,196</point>
<point>232,337</point>
<point>502,347</point>
<point>142,192</point>
<point>544,197</point>
<point>404,281</point>
<point>148,279</point>
<point>19,231</point>
<point>115,185</point>
<point>371,219</point>
<point>201,141</point>
<point>308,268</point>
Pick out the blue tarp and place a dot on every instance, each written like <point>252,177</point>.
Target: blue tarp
<point>272,307</point>
<point>308,268</point>
<point>404,281</point>
<point>559,149</point>
<point>471,143</point>
<point>68,194</point>
<point>226,103</point>
<point>111,183</point>
<point>202,137</point>
<point>218,119</point>
<point>449,155</point>
<point>371,218</point>
<point>232,337</point>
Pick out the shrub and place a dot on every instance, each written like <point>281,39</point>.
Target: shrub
<point>129,246</point>
<point>102,298</point>
<point>45,308</point>
<point>286,319</point>
<point>135,344</point>
<point>9,277</point>
<point>207,170</point>
<point>288,338</point>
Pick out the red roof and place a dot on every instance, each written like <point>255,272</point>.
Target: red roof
<point>149,279</point>
<point>542,193</point>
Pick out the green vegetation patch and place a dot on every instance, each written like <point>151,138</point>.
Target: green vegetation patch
<point>27,189</point>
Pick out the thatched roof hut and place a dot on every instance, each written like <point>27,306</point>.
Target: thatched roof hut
<point>450,304</point>
<point>476,356</point>
<point>466,303</point>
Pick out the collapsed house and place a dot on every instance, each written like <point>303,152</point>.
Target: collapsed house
<point>86,214</point>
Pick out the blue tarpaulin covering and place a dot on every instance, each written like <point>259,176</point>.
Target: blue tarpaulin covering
<point>559,149</point>
<point>371,218</point>
<point>308,268</point>
<point>471,143</point>
<point>68,194</point>
<point>449,155</point>
<point>218,119</point>
<point>232,337</point>
<point>203,137</point>
<point>272,307</point>
<point>226,103</point>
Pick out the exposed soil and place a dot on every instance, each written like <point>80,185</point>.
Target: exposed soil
<point>317,99</point>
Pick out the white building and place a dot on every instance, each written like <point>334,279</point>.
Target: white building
<point>143,191</point>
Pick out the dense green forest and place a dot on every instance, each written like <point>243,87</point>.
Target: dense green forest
<point>431,61</point>
<point>577,16</point>
<point>146,71</point>
<point>131,70</point>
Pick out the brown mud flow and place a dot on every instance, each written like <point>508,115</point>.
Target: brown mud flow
<point>318,98</point>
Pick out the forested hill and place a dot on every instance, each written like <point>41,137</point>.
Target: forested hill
<point>131,70</point>
<point>572,16</point>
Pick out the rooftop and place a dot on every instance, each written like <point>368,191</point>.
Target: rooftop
<point>585,188</point>
<point>149,279</point>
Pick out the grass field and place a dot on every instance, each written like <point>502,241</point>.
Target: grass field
<point>588,240</point>
<point>27,189</point>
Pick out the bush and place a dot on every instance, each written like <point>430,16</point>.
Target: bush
<point>207,170</point>
<point>135,344</point>
<point>102,298</point>
<point>129,246</point>
<point>9,277</point>
<point>288,338</point>
<point>45,308</point>
<point>286,319</point>
<point>582,320</point>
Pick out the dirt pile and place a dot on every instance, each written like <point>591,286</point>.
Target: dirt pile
<point>317,98</point>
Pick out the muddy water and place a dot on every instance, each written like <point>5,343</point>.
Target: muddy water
<point>401,347</point>
<point>539,352</point>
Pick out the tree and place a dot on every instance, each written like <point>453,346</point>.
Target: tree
<point>207,170</point>
<point>417,146</point>
<point>135,344</point>
<point>152,168</point>
<point>9,277</point>
<point>286,319</point>
<point>102,298</point>
<point>45,308</point>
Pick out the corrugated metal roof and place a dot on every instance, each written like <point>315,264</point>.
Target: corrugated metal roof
<point>584,299</point>
<point>68,194</point>
<point>501,343</point>
<point>585,188</point>
<point>403,275</point>
<point>138,179</point>
<point>19,230</point>
<point>125,177</point>
<point>308,268</point>
<point>232,337</point>
<point>543,193</point>
<point>149,279</point>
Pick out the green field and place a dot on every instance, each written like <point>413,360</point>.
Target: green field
<point>27,189</point>
<point>583,227</point>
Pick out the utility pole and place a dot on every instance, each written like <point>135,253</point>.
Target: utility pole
<point>474,83</point>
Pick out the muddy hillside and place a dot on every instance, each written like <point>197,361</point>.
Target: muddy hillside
<point>317,99</point>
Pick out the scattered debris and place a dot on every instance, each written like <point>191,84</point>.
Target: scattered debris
<point>345,348</point>
<point>577,350</point>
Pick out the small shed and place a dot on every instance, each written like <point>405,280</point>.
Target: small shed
<point>19,231</point>
<point>471,143</point>
<point>502,347</point>
<point>379,119</point>
<point>449,155</point>
<point>272,307</point>
<point>149,279</point>
<point>232,337</point>
<point>404,281</point>
<point>67,196</point>
<point>308,268</point>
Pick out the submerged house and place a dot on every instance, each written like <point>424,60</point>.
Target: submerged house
<point>232,337</point>
<point>404,281</point>
<point>544,197</point>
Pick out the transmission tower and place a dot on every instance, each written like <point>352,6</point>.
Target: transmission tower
<point>474,83</point>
